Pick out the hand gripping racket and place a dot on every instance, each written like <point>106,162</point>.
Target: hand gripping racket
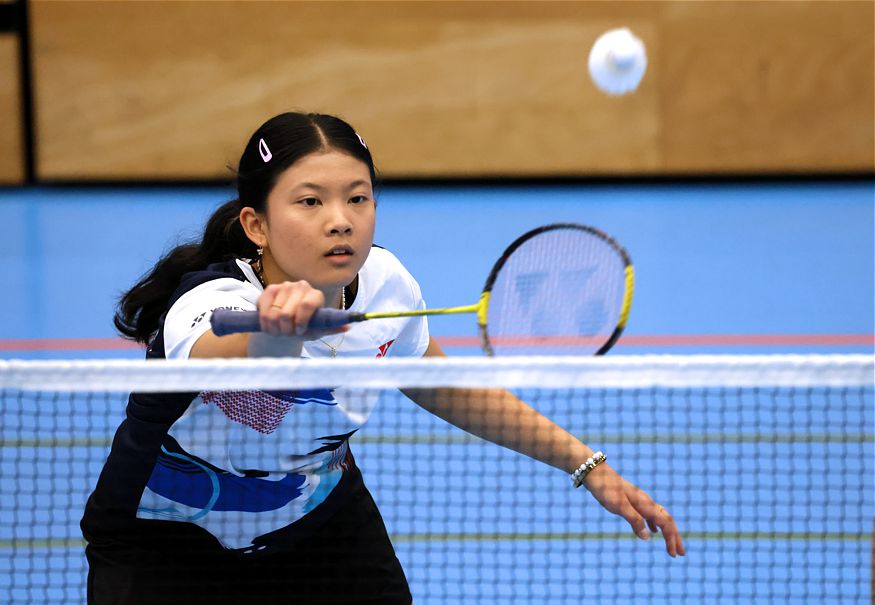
<point>558,289</point>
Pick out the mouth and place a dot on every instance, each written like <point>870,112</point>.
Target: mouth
<point>340,251</point>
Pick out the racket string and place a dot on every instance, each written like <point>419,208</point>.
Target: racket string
<point>560,291</point>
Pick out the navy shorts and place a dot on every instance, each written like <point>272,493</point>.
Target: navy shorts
<point>348,559</point>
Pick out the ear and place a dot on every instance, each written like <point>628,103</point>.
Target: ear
<point>254,224</point>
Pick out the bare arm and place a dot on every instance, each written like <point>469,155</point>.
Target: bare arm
<point>500,417</point>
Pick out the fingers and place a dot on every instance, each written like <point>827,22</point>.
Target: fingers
<point>658,519</point>
<point>285,309</point>
<point>628,512</point>
<point>620,497</point>
<point>637,508</point>
<point>674,543</point>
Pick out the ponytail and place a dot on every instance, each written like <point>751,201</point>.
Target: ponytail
<point>140,309</point>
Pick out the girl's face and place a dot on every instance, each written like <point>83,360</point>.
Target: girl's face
<point>319,223</point>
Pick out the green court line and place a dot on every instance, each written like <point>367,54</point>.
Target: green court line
<point>423,538</point>
<point>639,438</point>
<point>72,442</point>
<point>718,438</point>
<point>53,543</point>
<point>611,536</point>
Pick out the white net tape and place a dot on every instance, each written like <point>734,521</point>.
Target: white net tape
<point>620,372</point>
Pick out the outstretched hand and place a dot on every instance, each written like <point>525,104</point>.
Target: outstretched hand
<point>634,504</point>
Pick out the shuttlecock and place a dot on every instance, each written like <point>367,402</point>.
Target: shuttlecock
<point>617,61</point>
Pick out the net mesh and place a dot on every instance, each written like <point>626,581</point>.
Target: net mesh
<point>766,463</point>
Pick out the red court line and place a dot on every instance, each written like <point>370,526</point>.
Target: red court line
<point>66,344</point>
<point>699,340</point>
<point>657,340</point>
<point>750,339</point>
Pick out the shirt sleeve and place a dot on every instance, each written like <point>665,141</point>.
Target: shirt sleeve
<point>414,338</point>
<point>189,317</point>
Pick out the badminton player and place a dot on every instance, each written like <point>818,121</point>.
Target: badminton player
<point>255,496</point>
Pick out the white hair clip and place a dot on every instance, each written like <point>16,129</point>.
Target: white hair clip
<point>361,140</point>
<point>264,151</point>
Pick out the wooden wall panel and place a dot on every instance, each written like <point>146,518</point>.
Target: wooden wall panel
<point>11,133</point>
<point>173,89</point>
<point>768,86</point>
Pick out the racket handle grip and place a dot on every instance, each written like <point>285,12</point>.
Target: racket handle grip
<point>225,321</point>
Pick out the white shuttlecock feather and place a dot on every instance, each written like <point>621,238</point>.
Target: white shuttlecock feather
<point>617,61</point>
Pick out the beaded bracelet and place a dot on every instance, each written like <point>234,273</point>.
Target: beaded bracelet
<point>586,468</point>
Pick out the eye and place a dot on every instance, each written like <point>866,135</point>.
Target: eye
<point>310,202</point>
<point>358,199</point>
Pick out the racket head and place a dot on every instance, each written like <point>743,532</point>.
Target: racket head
<point>560,289</point>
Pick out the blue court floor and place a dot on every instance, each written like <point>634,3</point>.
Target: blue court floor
<point>788,266</point>
<point>748,268</point>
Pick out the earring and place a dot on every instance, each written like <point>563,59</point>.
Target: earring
<point>258,267</point>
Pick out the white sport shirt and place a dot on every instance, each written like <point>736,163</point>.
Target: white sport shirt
<point>264,460</point>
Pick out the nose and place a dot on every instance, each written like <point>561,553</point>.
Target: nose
<point>338,221</point>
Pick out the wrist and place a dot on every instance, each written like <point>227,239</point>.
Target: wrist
<point>579,476</point>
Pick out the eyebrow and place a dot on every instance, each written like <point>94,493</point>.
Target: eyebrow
<point>317,187</point>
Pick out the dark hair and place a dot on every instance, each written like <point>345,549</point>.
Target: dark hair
<point>276,145</point>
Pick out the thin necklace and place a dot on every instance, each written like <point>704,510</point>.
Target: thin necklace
<point>331,349</point>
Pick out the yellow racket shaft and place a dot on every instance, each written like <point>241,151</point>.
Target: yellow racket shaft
<point>481,308</point>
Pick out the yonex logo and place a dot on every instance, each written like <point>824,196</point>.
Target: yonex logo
<point>200,317</point>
